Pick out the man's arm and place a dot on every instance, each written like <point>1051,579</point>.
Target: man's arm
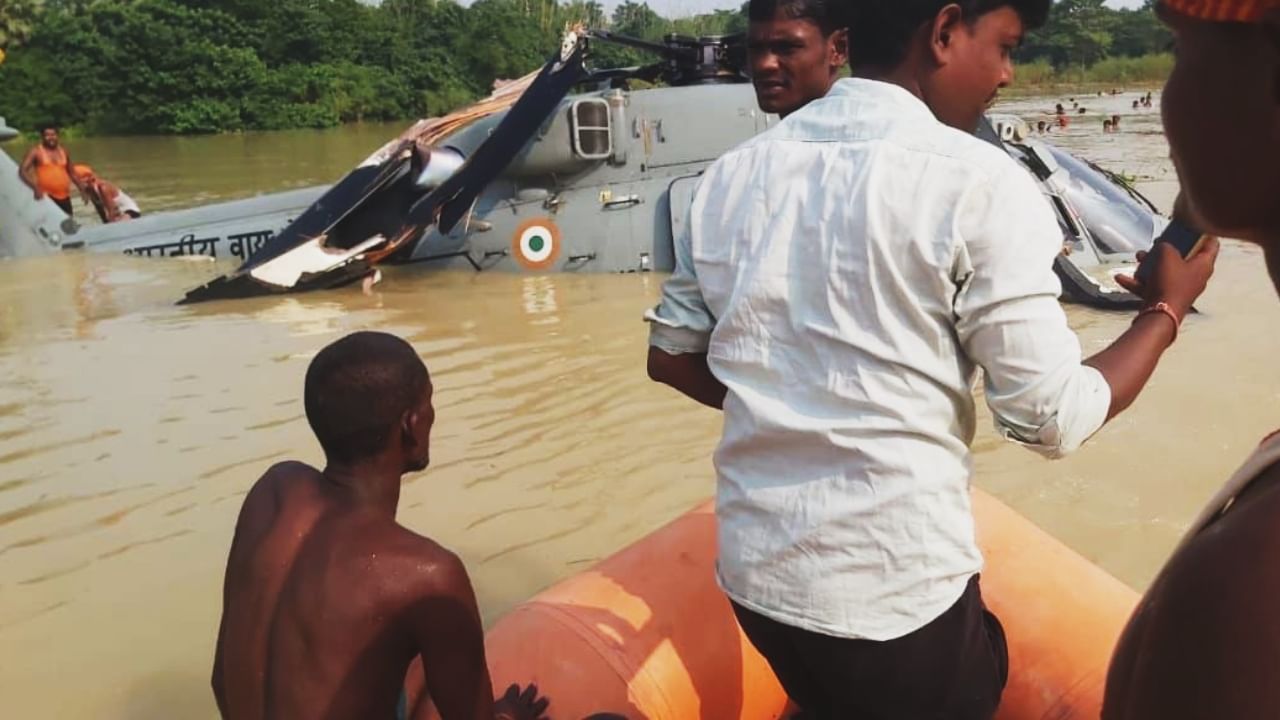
<point>680,330</point>
<point>1129,362</point>
<point>109,195</point>
<point>450,637</point>
<point>71,172</point>
<point>1010,322</point>
<point>446,625</point>
<point>218,682</point>
<point>27,173</point>
<point>255,516</point>
<point>688,373</point>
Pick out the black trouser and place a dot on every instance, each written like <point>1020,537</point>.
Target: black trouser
<point>954,668</point>
<point>65,204</point>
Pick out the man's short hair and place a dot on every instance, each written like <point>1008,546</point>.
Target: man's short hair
<point>46,127</point>
<point>828,15</point>
<point>357,391</point>
<point>880,31</point>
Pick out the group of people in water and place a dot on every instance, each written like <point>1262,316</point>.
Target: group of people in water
<point>47,169</point>
<point>839,283</point>
<point>1062,120</point>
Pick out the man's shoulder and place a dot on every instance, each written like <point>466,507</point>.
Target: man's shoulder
<point>280,482</point>
<point>1224,556</point>
<point>426,566</point>
<point>286,474</point>
<point>954,147</point>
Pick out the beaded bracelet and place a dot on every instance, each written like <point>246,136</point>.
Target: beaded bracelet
<point>1163,307</point>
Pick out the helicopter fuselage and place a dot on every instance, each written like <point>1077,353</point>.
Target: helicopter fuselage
<point>602,186</point>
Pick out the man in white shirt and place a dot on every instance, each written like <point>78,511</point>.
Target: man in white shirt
<point>842,278</point>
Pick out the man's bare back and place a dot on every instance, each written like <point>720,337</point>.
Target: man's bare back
<point>327,601</point>
<point>325,604</point>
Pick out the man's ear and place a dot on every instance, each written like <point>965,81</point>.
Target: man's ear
<point>942,32</point>
<point>408,424</point>
<point>839,48</point>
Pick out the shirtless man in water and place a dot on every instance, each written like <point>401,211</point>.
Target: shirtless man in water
<point>327,600</point>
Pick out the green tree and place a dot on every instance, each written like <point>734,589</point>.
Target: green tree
<point>1078,33</point>
<point>1139,32</point>
<point>180,66</point>
<point>17,21</point>
<point>505,39</point>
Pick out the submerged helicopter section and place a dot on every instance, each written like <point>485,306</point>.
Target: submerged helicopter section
<point>599,181</point>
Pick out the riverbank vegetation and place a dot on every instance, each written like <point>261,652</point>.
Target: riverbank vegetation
<point>1113,72</point>
<point>202,66</point>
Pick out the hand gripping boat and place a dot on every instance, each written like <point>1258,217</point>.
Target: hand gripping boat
<point>647,634</point>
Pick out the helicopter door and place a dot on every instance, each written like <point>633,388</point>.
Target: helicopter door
<point>679,200</point>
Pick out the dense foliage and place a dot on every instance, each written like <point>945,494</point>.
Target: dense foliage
<point>194,66</point>
<point>1081,33</point>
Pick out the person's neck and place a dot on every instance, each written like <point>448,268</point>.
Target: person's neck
<point>372,483</point>
<point>903,76</point>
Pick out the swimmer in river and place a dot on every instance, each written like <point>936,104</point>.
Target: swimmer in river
<point>1061,114</point>
<point>1204,642</point>
<point>1106,126</point>
<point>1040,127</point>
<point>327,599</point>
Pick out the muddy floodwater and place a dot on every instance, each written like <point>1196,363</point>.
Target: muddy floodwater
<point>130,428</point>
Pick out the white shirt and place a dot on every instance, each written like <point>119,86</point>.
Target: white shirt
<point>846,273</point>
<point>124,203</point>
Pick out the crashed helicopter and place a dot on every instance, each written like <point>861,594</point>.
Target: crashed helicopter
<point>534,179</point>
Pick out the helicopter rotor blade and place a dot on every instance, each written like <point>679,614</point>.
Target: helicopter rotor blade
<point>301,262</point>
<point>449,203</point>
<point>648,73</point>
<point>657,48</point>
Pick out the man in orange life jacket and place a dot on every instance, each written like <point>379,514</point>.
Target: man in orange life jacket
<point>47,170</point>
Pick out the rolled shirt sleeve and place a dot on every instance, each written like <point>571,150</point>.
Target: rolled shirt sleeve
<point>681,324</point>
<point>1010,322</point>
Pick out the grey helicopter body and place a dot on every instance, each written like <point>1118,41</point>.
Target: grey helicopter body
<point>605,182</point>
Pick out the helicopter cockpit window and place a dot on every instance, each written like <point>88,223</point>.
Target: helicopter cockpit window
<point>592,135</point>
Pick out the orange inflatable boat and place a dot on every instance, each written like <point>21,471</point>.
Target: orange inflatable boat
<point>647,634</point>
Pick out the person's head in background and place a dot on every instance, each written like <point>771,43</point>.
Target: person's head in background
<point>1040,127</point>
<point>1107,126</point>
<point>795,51</point>
<point>953,55</point>
<point>1221,111</point>
<point>50,137</point>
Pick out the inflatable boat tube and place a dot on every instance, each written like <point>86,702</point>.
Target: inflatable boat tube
<point>647,634</point>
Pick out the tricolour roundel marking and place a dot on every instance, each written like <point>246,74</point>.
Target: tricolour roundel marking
<point>536,244</point>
